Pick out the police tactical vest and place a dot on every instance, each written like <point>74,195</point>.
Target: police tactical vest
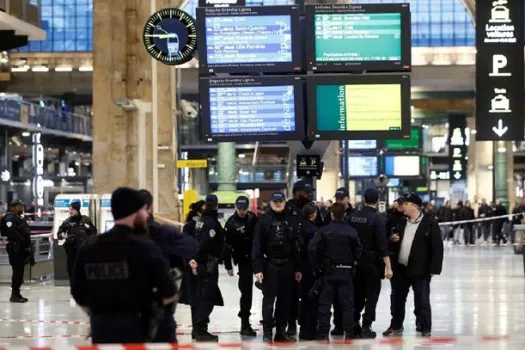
<point>338,248</point>
<point>280,245</point>
<point>77,233</point>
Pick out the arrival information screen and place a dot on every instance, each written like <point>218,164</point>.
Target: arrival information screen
<point>258,110</point>
<point>358,37</point>
<point>248,39</point>
<point>360,107</point>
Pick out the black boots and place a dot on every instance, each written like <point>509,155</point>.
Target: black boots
<point>282,336</point>
<point>267,335</point>
<point>202,335</point>
<point>246,329</point>
<point>367,333</point>
<point>16,297</point>
<point>292,329</point>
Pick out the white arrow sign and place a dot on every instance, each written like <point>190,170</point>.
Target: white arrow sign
<point>500,130</point>
<point>457,175</point>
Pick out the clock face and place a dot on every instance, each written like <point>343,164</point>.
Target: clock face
<point>170,36</point>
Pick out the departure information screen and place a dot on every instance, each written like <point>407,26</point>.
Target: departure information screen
<point>248,39</point>
<point>251,107</point>
<point>356,107</point>
<point>363,166</point>
<point>407,144</point>
<point>399,166</point>
<point>357,37</point>
<point>362,144</point>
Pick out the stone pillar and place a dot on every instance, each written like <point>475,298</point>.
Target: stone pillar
<point>329,182</point>
<point>122,69</point>
<point>227,166</point>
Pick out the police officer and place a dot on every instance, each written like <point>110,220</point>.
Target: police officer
<point>336,247</point>
<point>240,229</point>
<point>374,263</point>
<point>75,230</point>
<point>341,196</point>
<point>16,229</point>
<point>206,266</point>
<point>176,247</point>
<point>275,259</point>
<point>119,274</point>
<point>302,192</point>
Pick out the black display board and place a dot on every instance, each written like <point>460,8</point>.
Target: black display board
<point>308,165</point>
<point>241,40</point>
<point>221,3</point>
<point>499,70</point>
<point>251,109</point>
<point>358,37</point>
<point>457,139</point>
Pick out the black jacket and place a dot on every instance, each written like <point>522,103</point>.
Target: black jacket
<point>239,239</point>
<point>426,255</point>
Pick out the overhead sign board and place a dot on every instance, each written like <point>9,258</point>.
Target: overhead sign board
<point>439,174</point>
<point>221,3</point>
<point>308,165</point>
<point>458,147</point>
<point>193,163</point>
<point>499,70</point>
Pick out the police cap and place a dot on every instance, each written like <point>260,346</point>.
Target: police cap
<point>278,197</point>
<point>211,200</point>
<point>302,185</point>
<point>341,193</point>
<point>242,202</point>
<point>414,199</point>
<point>15,203</point>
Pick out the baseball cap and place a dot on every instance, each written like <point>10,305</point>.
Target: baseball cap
<point>413,198</point>
<point>242,202</point>
<point>278,196</point>
<point>342,193</point>
<point>302,185</point>
<point>211,199</point>
<point>400,200</point>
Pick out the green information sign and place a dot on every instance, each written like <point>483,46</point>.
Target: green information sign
<point>411,144</point>
<point>358,37</point>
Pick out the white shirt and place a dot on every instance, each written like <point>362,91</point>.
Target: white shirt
<point>408,239</point>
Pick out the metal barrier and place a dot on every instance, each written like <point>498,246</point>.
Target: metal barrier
<point>43,251</point>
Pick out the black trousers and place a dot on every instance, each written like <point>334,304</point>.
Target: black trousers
<point>294,306</point>
<point>337,281</point>
<point>246,288</point>
<point>277,283</point>
<point>17,260</point>
<point>167,328</point>
<point>117,328</point>
<point>401,284</point>
<point>367,284</point>
<point>71,257</point>
<point>338,315</point>
<point>208,284</point>
<point>308,307</point>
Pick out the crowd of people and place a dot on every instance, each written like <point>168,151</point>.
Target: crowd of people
<point>306,261</point>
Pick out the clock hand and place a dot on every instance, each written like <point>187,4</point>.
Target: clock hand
<point>161,36</point>
<point>160,28</point>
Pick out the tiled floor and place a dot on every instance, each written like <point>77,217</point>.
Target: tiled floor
<point>481,293</point>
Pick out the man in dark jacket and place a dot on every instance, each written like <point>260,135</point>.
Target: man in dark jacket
<point>497,225</point>
<point>418,255</point>
<point>240,229</point>
<point>75,230</point>
<point>484,212</point>
<point>176,247</point>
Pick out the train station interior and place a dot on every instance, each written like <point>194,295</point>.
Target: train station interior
<point>187,98</point>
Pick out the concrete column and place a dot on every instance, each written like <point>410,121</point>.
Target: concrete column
<point>227,166</point>
<point>329,182</point>
<point>122,69</point>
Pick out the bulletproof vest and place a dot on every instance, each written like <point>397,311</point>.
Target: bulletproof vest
<point>77,233</point>
<point>280,244</point>
<point>365,229</point>
<point>338,248</point>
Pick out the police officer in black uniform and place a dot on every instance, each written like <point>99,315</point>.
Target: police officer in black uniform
<point>176,247</point>
<point>275,259</point>
<point>341,196</point>
<point>75,230</point>
<point>16,229</point>
<point>302,192</point>
<point>240,229</point>
<point>119,275</point>
<point>206,266</point>
<point>374,263</point>
<point>336,248</point>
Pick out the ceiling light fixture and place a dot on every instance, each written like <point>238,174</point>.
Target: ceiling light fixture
<point>40,69</point>
<point>63,69</point>
<point>85,69</point>
<point>24,68</point>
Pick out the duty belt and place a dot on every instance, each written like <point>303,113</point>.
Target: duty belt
<point>342,266</point>
<point>278,261</point>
